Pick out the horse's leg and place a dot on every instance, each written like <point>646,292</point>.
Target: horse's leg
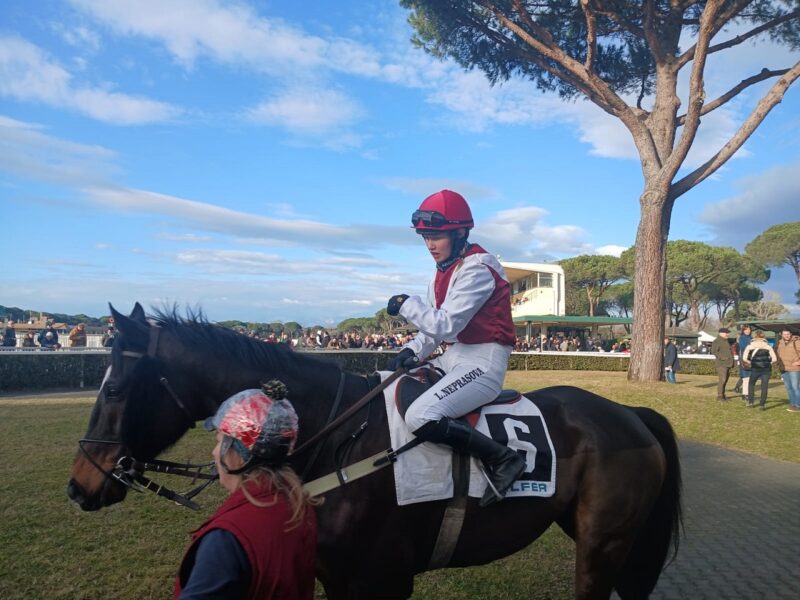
<point>609,515</point>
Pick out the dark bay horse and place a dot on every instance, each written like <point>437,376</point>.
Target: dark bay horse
<point>618,488</point>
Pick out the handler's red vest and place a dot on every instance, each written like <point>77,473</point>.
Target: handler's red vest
<point>281,562</point>
<point>492,322</point>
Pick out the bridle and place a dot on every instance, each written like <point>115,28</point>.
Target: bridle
<point>130,472</point>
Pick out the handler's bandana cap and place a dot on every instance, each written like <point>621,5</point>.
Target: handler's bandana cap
<point>258,426</point>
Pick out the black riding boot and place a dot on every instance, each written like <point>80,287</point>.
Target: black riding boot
<point>503,465</point>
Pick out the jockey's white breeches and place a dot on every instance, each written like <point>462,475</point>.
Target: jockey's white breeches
<point>473,377</point>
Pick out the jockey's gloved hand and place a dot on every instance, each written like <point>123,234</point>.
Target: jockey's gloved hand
<point>405,359</point>
<point>395,302</point>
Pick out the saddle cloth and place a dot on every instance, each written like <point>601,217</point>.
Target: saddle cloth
<point>425,473</point>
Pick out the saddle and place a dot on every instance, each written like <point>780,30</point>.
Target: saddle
<point>412,386</point>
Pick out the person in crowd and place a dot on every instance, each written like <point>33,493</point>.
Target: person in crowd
<point>9,335</point>
<point>468,308</point>
<point>261,543</point>
<point>48,337</point>
<point>759,356</point>
<point>77,336</point>
<point>108,337</point>
<point>723,361</point>
<point>671,363</point>
<point>742,342</point>
<point>787,351</point>
<point>29,341</point>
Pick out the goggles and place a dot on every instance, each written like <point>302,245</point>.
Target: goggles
<point>431,218</point>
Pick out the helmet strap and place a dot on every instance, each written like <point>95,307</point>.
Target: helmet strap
<point>458,245</point>
<point>249,464</point>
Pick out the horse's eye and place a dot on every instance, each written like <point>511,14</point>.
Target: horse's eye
<point>111,393</point>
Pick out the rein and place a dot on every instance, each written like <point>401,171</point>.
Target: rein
<point>362,468</point>
<point>349,412</point>
<point>130,473</point>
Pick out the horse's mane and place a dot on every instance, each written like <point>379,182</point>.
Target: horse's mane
<point>195,331</point>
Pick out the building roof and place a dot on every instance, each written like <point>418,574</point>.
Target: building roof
<point>571,320</point>
<point>517,270</point>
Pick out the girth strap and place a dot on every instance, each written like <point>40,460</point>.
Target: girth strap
<point>453,519</point>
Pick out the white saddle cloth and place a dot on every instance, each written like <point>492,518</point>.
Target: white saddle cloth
<point>425,473</point>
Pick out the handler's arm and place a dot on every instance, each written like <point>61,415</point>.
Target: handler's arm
<point>221,569</point>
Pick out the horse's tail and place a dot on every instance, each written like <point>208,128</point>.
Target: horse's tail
<point>647,558</point>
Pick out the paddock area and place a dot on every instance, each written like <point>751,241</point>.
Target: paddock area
<point>741,484</point>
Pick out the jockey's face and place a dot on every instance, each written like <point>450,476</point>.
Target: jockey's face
<point>439,244</point>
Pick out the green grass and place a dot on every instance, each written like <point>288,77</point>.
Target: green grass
<point>49,548</point>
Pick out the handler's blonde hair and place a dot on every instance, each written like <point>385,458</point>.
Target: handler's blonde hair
<point>285,482</point>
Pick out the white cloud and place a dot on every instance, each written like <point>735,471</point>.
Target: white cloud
<point>521,233</point>
<point>211,217</point>
<point>426,186</point>
<point>611,250</point>
<point>232,34</point>
<point>307,111</point>
<point>182,237</point>
<point>80,36</point>
<point>27,151</point>
<point>28,74</point>
<point>763,200</point>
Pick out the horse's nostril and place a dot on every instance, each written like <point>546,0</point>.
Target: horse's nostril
<point>75,492</point>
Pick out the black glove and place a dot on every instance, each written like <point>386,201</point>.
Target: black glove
<point>405,359</point>
<point>395,302</point>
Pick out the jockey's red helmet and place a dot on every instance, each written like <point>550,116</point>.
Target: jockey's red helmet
<point>443,211</point>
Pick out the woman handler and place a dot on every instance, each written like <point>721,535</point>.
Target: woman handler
<point>469,309</point>
<point>261,542</point>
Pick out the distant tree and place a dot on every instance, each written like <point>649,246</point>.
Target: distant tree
<point>292,327</point>
<point>627,58</point>
<point>619,299</point>
<point>360,324</point>
<point>692,266</point>
<point>767,309</point>
<point>593,274</point>
<point>722,299</point>
<point>779,245</point>
<point>386,322</point>
<point>575,301</point>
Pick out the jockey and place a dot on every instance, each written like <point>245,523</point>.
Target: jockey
<point>469,309</point>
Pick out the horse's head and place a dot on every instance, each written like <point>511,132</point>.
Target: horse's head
<point>142,408</point>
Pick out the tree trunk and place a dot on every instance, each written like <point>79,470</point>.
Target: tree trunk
<point>646,363</point>
<point>694,311</point>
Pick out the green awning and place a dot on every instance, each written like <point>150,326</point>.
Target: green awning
<point>571,320</point>
<point>775,325</point>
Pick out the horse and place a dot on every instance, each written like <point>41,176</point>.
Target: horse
<point>619,482</point>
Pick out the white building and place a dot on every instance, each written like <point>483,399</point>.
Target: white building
<point>536,288</point>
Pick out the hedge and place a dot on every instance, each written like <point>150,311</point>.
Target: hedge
<point>21,371</point>
<point>52,370</point>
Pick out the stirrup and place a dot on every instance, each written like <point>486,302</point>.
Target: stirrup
<point>491,494</point>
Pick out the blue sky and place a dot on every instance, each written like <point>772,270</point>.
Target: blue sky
<point>262,160</point>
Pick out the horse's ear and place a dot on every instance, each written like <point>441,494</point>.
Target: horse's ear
<point>131,328</point>
<point>137,314</point>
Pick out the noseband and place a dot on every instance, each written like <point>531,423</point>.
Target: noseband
<point>130,472</point>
